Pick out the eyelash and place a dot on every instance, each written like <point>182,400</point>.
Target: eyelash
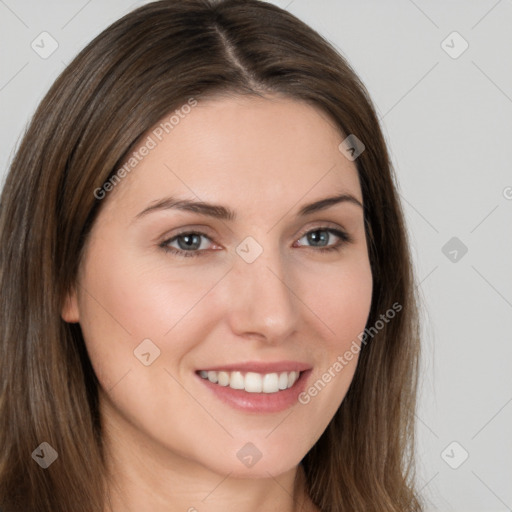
<point>345,238</point>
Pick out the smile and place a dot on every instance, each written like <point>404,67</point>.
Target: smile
<point>252,382</point>
<point>256,386</point>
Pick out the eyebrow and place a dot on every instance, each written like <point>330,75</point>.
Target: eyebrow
<point>224,213</point>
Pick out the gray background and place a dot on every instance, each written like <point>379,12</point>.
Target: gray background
<point>447,122</point>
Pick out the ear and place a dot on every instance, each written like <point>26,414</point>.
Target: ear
<point>69,312</point>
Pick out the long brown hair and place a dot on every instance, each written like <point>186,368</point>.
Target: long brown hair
<point>147,64</point>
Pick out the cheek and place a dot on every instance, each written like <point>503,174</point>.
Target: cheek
<point>349,317</point>
<point>125,299</point>
<point>341,299</point>
<point>132,296</point>
<point>342,305</point>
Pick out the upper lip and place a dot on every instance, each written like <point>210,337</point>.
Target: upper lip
<point>261,367</point>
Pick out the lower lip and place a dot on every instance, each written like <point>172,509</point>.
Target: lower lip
<point>259,402</point>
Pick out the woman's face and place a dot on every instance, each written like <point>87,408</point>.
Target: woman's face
<point>253,295</point>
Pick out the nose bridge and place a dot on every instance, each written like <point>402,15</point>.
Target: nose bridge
<point>263,300</point>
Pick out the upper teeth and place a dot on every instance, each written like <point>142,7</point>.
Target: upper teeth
<point>252,382</point>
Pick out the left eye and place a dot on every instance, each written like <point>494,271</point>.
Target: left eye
<point>320,235</point>
<point>189,243</point>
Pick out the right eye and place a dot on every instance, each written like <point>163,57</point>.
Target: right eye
<point>189,243</point>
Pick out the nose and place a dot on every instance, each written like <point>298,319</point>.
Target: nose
<point>262,303</point>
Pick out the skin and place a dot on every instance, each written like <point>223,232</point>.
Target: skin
<point>172,445</point>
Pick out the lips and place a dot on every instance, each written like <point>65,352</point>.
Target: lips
<point>257,386</point>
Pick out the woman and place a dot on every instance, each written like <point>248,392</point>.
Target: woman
<point>207,295</point>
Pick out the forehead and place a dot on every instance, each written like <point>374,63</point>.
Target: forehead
<point>244,151</point>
